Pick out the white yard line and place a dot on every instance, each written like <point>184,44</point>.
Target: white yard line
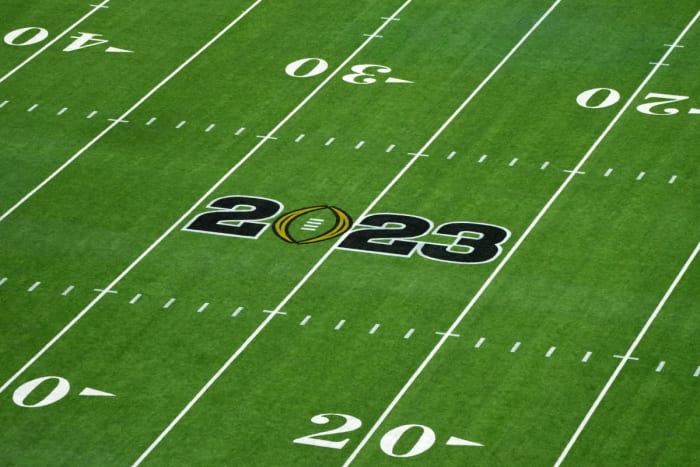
<point>123,117</point>
<point>54,40</point>
<point>627,357</point>
<point>516,246</point>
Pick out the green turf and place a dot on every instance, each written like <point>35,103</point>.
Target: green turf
<point>585,280</point>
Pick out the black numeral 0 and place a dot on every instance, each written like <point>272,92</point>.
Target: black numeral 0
<point>482,247</point>
<point>392,227</point>
<point>233,216</point>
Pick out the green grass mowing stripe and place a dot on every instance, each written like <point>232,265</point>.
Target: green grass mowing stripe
<point>573,173</point>
<point>123,117</point>
<point>371,206</point>
<point>54,40</point>
<point>628,355</point>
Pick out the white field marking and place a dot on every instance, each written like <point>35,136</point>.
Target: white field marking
<point>520,240</point>
<point>3,280</point>
<point>672,180</point>
<point>203,307</point>
<point>625,357</point>
<point>454,441</point>
<point>659,63</point>
<point>373,36</point>
<point>447,334</point>
<point>374,329</point>
<point>62,111</point>
<point>305,320</point>
<point>90,392</point>
<point>34,286</point>
<point>409,333</point>
<point>513,162</point>
<point>359,145</point>
<point>181,124</point>
<point>574,172</point>
<point>135,299</point>
<point>515,347</point>
<point>112,50</point>
<point>91,114</point>
<point>608,172</point>
<point>210,127</point>
<point>117,120</point>
<point>637,340</point>
<point>274,312</point>
<point>391,19</point>
<point>390,148</point>
<point>3,104</point>
<point>480,342</point>
<point>240,131</point>
<point>587,357</point>
<point>169,303</point>
<point>106,291</point>
<point>482,158</point>
<point>299,138</point>
<point>544,166</point>
<point>641,175</point>
<point>68,290</point>
<point>54,40</point>
<point>674,46</point>
<point>330,141</point>
<point>32,108</point>
<point>550,352</point>
<point>339,325</point>
<point>397,81</point>
<point>138,104</point>
<point>418,154</point>
<point>451,155</point>
<point>694,111</point>
<point>697,372</point>
<point>660,366</point>
<point>266,137</point>
<point>150,121</point>
<point>237,311</point>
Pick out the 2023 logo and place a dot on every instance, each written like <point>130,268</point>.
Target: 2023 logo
<point>390,234</point>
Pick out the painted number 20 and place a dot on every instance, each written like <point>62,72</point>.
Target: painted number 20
<point>600,98</point>
<point>388,443</point>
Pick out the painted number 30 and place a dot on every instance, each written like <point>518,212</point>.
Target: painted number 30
<point>310,67</point>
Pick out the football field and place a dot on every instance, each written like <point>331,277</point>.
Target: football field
<point>334,233</point>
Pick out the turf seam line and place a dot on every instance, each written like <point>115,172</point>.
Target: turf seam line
<point>135,106</point>
<point>628,354</point>
<point>54,40</point>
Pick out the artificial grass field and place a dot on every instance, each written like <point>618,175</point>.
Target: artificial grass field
<point>528,296</point>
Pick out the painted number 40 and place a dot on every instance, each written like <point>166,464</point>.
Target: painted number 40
<point>388,443</point>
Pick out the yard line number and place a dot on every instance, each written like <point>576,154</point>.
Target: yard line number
<point>423,437</point>
<point>33,35</point>
<point>390,234</point>
<point>657,103</point>
<point>361,74</point>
